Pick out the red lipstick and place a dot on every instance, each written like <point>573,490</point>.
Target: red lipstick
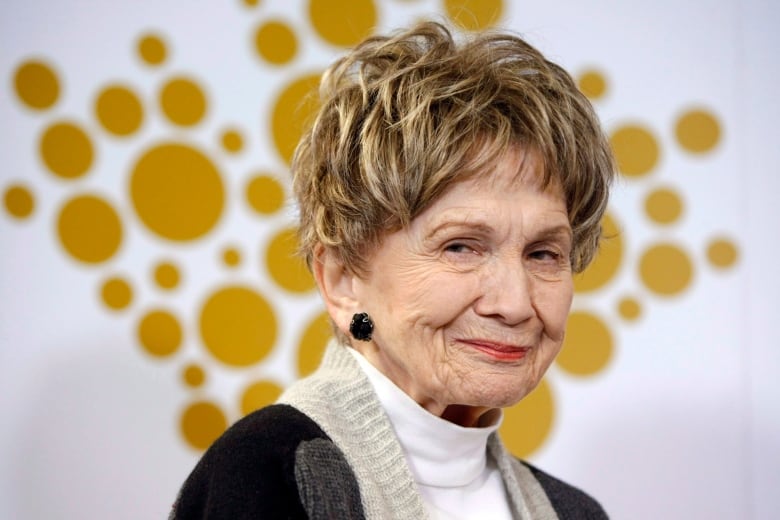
<point>499,351</point>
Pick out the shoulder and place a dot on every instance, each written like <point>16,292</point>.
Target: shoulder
<point>569,502</point>
<point>250,469</point>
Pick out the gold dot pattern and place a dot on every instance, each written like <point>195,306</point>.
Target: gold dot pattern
<point>287,269</point>
<point>119,110</point>
<point>89,229</point>
<point>36,85</point>
<point>66,150</point>
<point>528,424</point>
<point>258,395</point>
<point>292,113</point>
<point>474,15</point>
<point>251,3</point>
<point>183,102</point>
<point>593,84</point>
<point>342,22</point>
<point>588,345</point>
<point>665,269</point>
<point>152,50</point>
<point>265,194</point>
<point>698,131</point>
<point>193,375</point>
<point>238,326</point>
<point>629,309</point>
<point>607,261</point>
<point>636,150</point>
<point>722,253</point>
<point>201,423</point>
<point>166,275</point>
<point>116,293</point>
<point>19,201</point>
<point>160,333</point>
<point>275,42</point>
<point>663,206</point>
<point>312,345</point>
<point>232,141</point>
<point>177,192</point>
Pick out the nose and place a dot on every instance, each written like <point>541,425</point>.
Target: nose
<point>506,292</point>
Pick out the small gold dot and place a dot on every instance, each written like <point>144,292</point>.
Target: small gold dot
<point>629,309</point>
<point>19,201</point>
<point>232,141</point>
<point>722,253</point>
<point>231,257</point>
<point>593,84</point>
<point>193,375</point>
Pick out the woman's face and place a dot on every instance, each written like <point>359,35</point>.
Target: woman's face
<point>470,301</point>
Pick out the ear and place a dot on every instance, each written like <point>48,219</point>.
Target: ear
<point>336,285</point>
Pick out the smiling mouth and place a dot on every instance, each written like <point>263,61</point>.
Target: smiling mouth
<point>498,351</point>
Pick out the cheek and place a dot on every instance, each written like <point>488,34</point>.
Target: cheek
<point>554,308</point>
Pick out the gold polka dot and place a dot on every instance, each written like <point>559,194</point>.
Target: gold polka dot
<point>665,269</point>
<point>636,150</point>
<point>19,201</point>
<point>593,84</point>
<point>474,15</point>
<point>231,257</point>
<point>698,131</point>
<point>342,22</point>
<point>160,333</point>
<point>259,395</point>
<point>312,345</point>
<point>629,309</point>
<point>663,206</point>
<point>238,326</point>
<point>722,253</point>
<point>265,194</point>
<point>287,269</point>
<point>183,102</point>
<point>36,85</point>
<point>116,293</point>
<point>193,376</point>
<point>152,49</point>
<point>89,229</point>
<point>293,112</point>
<point>275,42</point>
<point>587,347</point>
<point>177,192</point>
<point>166,275</point>
<point>250,3</point>
<point>528,424</point>
<point>119,110</point>
<point>66,150</point>
<point>607,262</point>
<point>201,423</point>
<point>232,141</point>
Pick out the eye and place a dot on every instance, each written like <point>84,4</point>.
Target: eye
<point>546,255</point>
<point>459,247</point>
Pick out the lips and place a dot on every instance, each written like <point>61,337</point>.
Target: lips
<point>499,351</point>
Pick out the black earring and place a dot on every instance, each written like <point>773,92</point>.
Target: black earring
<point>361,326</point>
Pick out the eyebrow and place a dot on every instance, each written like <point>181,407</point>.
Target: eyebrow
<point>553,232</point>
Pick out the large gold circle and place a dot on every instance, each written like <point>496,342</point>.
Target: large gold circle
<point>177,192</point>
<point>238,326</point>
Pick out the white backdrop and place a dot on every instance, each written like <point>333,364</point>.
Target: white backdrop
<point>681,421</point>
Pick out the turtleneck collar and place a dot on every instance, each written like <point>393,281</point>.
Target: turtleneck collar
<point>439,453</point>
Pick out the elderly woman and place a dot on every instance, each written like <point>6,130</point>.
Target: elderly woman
<point>447,192</point>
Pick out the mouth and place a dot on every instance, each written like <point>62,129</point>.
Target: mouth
<point>498,351</point>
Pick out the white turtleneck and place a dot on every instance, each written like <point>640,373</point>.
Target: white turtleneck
<point>449,463</point>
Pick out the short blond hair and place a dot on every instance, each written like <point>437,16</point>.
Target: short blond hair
<point>405,116</point>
